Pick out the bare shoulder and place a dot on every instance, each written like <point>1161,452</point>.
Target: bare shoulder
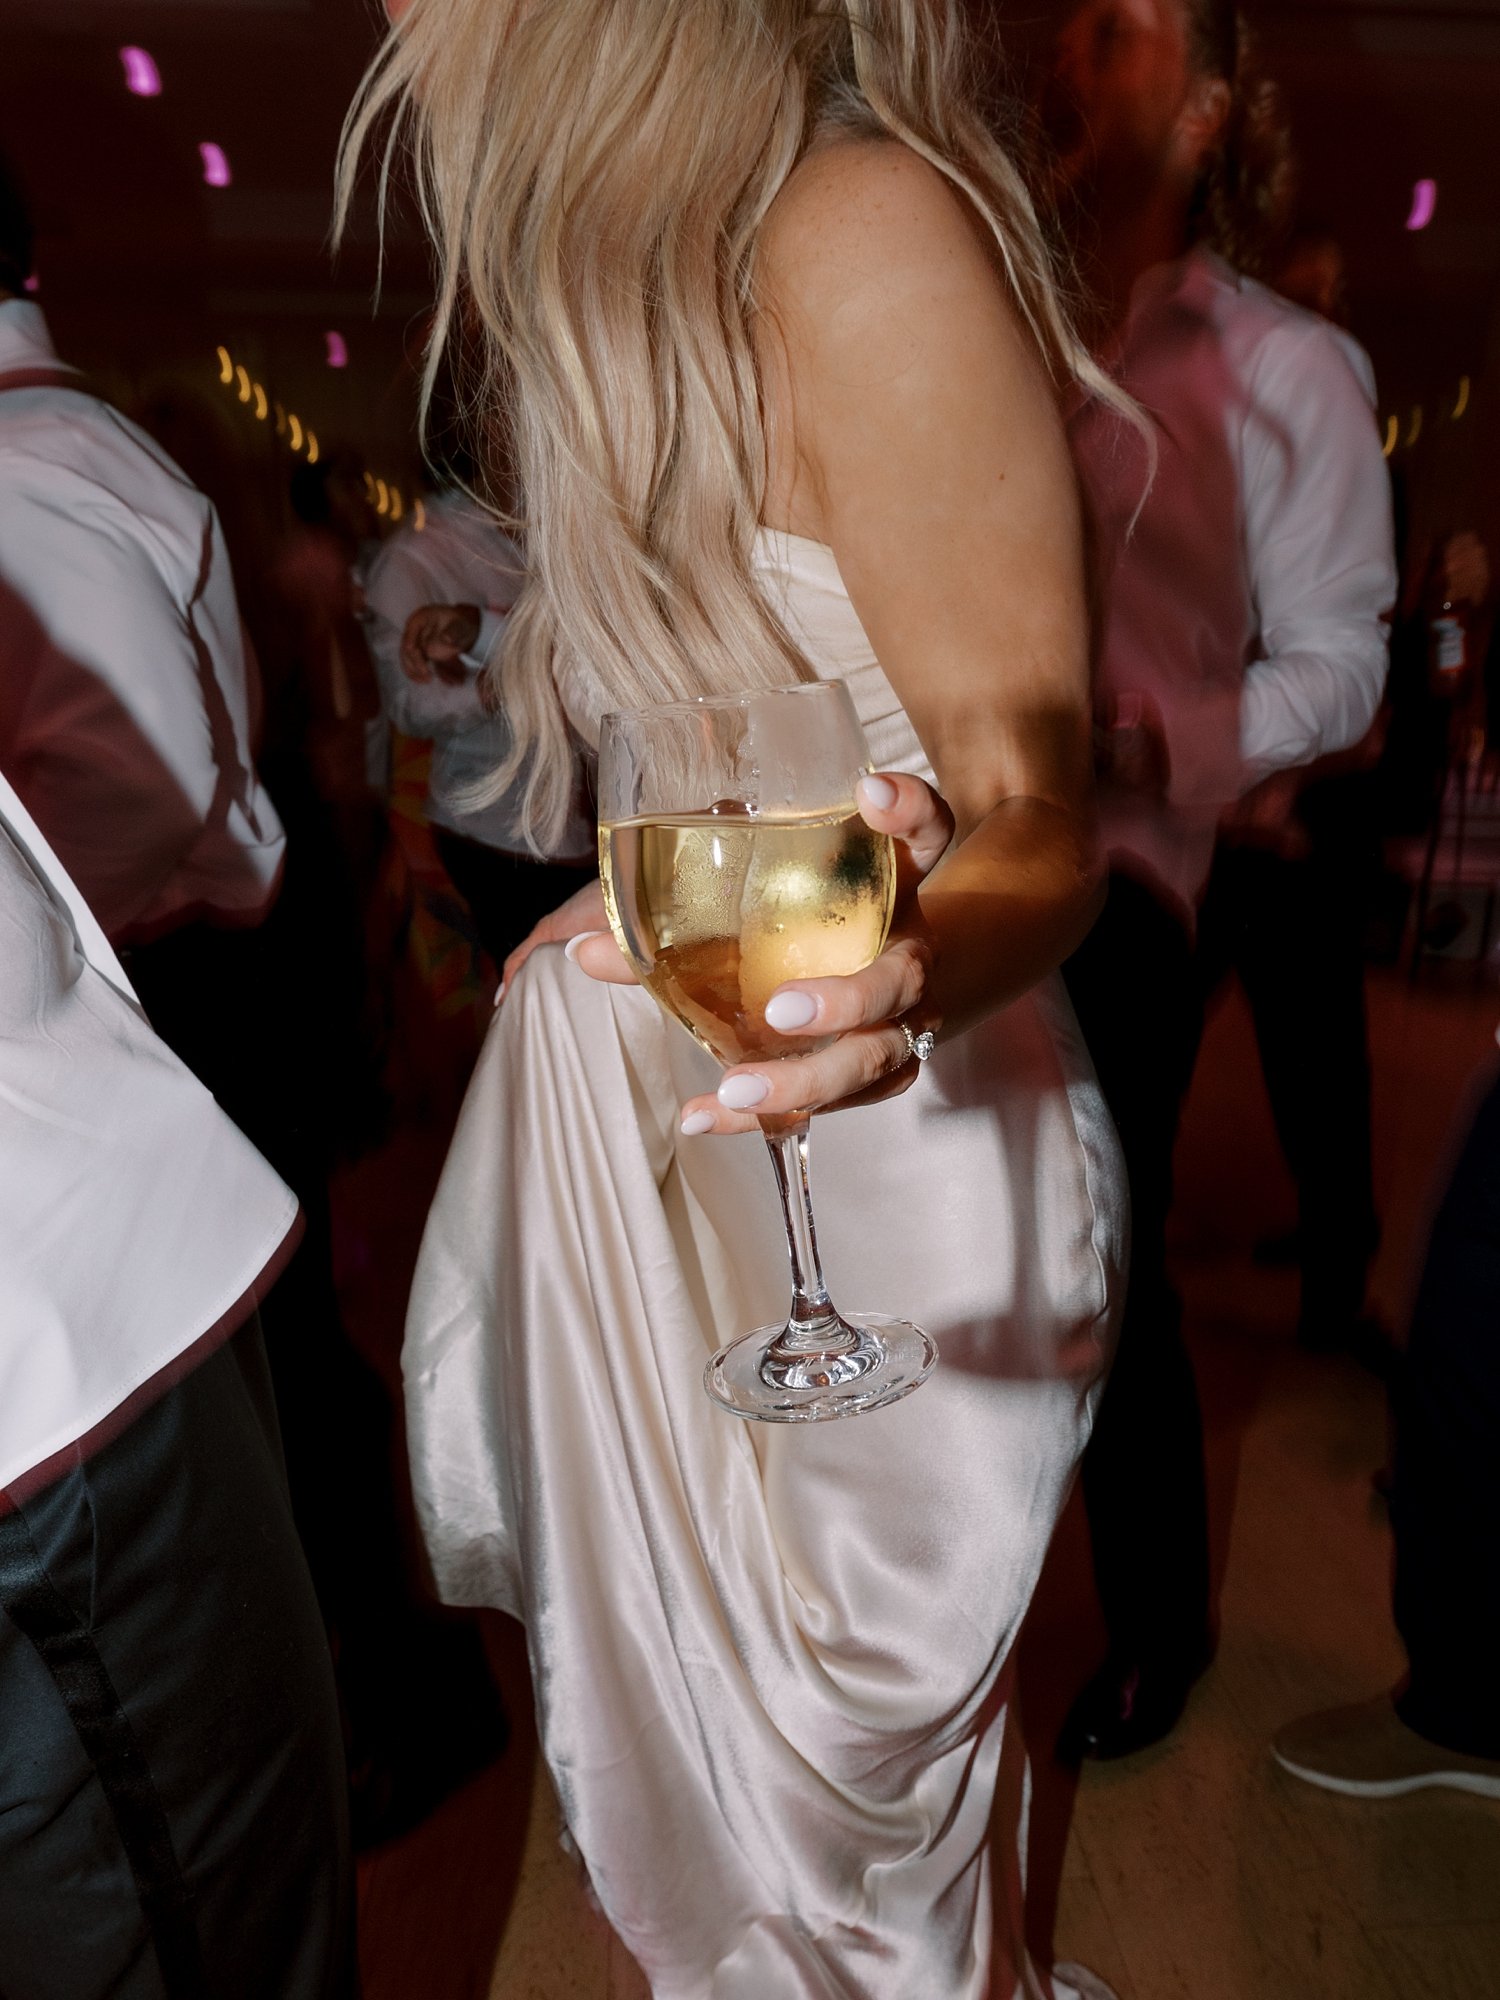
<point>930,455</point>
<point>866,220</point>
<point>858,185</point>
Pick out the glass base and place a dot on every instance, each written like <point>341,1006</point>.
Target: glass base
<point>861,1363</point>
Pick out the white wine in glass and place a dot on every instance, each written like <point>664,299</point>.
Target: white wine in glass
<point>734,859</point>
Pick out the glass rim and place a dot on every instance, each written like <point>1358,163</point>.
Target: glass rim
<point>697,704</point>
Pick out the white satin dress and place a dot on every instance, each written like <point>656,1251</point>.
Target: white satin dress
<point>773,1663</point>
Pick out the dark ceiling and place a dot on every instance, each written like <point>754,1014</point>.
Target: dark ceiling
<point>143,265</point>
<point>144,268</point>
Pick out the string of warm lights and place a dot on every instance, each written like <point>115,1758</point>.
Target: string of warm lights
<point>302,440</point>
<point>1408,434</point>
<point>142,78</point>
<point>288,425</point>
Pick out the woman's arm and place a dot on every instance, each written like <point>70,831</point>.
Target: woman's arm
<point>926,447</point>
<point>914,430</point>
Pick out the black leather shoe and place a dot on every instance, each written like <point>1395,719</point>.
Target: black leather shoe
<point>1126,1707</point>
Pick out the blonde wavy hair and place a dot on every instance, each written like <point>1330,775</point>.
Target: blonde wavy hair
<point>594,175</point>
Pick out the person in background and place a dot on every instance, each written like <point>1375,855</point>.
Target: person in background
<point>127,697</point>
<point>1442,691</point>
<point>173,1817</point>
<point>319,577</point>
<point>1287,911</point>
<point>438,599</point>
<point>1244,577</point>
<point>1443,1727</point>
<point>128,714</point>
<point>1311,272</point>
<point>782,1729</point>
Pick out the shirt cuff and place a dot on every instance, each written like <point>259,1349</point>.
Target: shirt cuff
<point>491,630</point>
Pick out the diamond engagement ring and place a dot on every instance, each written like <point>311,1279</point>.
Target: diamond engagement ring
<point>921,1046</point>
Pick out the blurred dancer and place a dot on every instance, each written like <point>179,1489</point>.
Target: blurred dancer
<point>172,1815</point>
<point>1311,273</point>
<point>320,575</point>
<point>1443,1727</point>
<point>126,697</point>
<point>1241,636</point>
<point>1287,911</point>
<point>127,714</point>
<point>1441,693</point>
<point>438,599</point>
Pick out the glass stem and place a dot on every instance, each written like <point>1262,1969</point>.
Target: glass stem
<point>813,1326</point>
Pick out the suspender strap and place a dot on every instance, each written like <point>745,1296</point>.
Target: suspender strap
<point>40,1612</point>
<point>42,378</point>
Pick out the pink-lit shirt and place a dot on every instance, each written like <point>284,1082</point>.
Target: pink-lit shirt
<point>1247,602</point>
<point>125,681</point>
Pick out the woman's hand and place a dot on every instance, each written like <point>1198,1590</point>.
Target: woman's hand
<point>872,1058</point>
<point>578,921</point>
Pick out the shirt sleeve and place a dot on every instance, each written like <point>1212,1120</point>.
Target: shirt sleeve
<point>105,728</point>
<point>1321,553</point>
<point>399,585</point>
<point>492,624</point>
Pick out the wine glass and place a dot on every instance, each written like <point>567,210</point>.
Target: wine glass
<point>734,858</point>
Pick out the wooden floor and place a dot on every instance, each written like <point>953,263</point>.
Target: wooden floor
<point>1196,1871</point>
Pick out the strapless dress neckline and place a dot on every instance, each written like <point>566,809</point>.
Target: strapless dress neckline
<point>769,537</point>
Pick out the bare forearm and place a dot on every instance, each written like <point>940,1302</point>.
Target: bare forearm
<point>1008,905</point>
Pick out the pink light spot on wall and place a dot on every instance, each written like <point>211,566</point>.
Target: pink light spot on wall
<point>1423,204</point>
<point>142,77</point>
<point>215,165</point>
<point>33,283</point>
<point>338,351</point>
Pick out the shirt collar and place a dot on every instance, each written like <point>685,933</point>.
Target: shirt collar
<point>24,339</point>
<point>1185,281</point>
<point>1159,290</point>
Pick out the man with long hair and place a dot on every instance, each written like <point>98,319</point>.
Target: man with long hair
<point>1244,578</point>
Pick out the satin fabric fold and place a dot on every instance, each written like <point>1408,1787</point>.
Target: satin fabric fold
<point>773,1664</point>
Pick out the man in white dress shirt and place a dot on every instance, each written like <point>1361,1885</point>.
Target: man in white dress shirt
<point>437,600</point>
<point>128,705</point>
<point>127,716</point>
<point>126,695</point>
<point>173,1822</point>
<point>1242,634</point>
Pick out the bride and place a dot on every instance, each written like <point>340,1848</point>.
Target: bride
<point>774,329</point>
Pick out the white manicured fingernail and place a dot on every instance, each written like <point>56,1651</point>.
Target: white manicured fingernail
<point>696,1123</point>
<point>879,794</point>
<point>786,1012</point>
<point>740,1093</point>
<point>575,944</point>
